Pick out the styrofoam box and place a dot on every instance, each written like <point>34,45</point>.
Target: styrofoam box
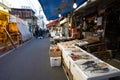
<point>66,60</point>
<point>77,73</point>
<point>55,61</point>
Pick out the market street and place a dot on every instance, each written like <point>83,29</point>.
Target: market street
<point>30,62</point>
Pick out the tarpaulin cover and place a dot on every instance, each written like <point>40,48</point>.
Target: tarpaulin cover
<point>52,8</point>
<point>23,28</point>
<point>24,32</point>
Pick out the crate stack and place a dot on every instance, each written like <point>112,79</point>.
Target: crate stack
<point>55,56</point>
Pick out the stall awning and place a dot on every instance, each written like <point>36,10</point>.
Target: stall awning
<point>52,23</point>
<point>52,8</point>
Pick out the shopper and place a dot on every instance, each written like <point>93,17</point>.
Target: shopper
<point>48,33</point>
<point>41,33</point>
<point>37,32</point>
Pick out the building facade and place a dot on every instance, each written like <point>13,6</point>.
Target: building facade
<point>27,15</point>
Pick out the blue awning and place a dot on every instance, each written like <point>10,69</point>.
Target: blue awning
<point>52,8</point>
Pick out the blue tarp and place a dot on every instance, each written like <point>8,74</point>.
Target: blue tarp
<point>52,8</point>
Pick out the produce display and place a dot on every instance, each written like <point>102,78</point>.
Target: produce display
<point>83,65</point>
<point>63,38</point>
<point>54,51</point>
<point>81,43</point>
<point>78,57</point>
<point>76,50</point>
<point>69,46</point>
<point>13,27</point>
<point>92,66</point>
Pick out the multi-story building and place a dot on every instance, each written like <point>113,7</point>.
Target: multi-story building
<point>27,15</point>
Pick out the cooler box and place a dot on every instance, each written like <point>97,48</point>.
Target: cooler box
<point>55,61</point>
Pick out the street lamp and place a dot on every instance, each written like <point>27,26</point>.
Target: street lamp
<point>75,4</point>
<point>59,15</point>
<point>59,12</point>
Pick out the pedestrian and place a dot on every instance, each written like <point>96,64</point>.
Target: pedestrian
<point>48,33</point>
<point>41,33</point>
<point>37,32</point>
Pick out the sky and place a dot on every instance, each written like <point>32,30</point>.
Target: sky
<point>34,4</point>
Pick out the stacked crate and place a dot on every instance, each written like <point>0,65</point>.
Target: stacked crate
<point>55,56</point>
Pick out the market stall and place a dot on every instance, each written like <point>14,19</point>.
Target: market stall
<point>83,65</point>
<point>19,29</point>
<point>96,24</point>
<point>4,15</point>
<point>3,25</point>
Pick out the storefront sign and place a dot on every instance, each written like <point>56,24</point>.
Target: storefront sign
<point>25,7</point>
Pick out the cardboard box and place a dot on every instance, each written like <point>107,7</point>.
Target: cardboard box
<point>55,61</point>
<point>55,53</point>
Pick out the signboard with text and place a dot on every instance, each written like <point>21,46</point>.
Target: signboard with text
<point>25,7</point>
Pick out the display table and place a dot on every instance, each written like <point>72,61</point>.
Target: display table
<point>85,66</point>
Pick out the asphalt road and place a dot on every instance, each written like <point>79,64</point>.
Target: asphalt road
<point>30,62</point>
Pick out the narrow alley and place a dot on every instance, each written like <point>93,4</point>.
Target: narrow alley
<point>30,62</point>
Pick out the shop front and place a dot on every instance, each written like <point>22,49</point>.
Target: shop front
<point>4,16</point>
<point>93,51</point>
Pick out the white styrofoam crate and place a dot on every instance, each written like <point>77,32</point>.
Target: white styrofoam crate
<point>76,73</point>
<point>66,60</point>
<point>55,61</point>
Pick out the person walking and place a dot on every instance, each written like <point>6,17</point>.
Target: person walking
<point>41,33</point>
<point>37,32</point>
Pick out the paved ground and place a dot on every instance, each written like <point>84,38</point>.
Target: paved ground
<point>30,62</point>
